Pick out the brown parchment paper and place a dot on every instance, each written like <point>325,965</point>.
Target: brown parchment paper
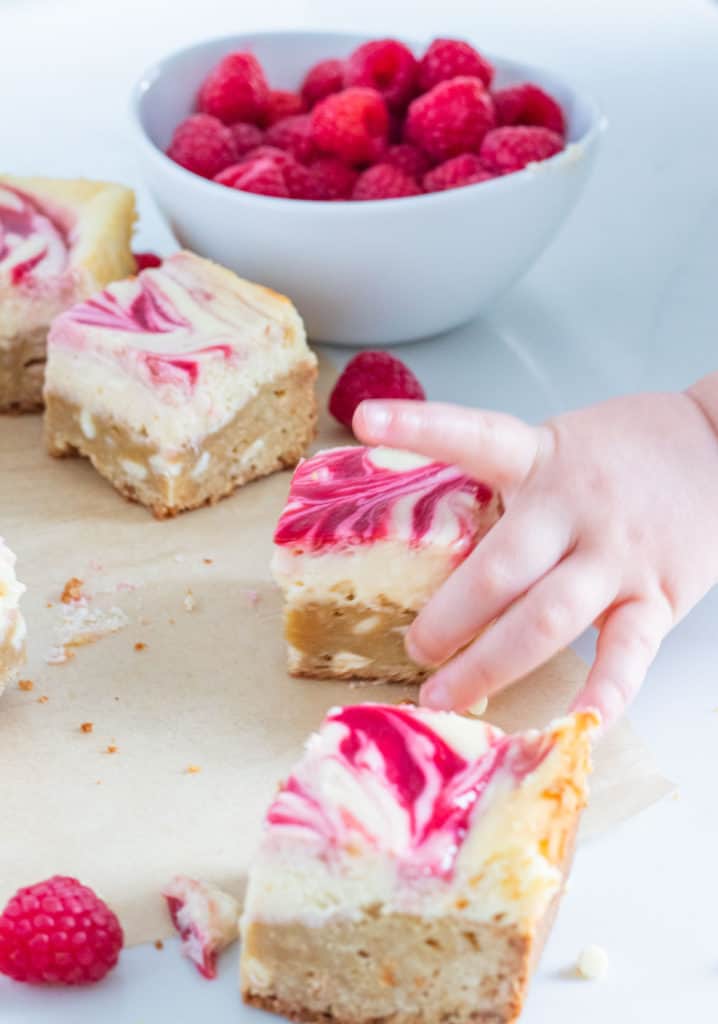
<point>208,691</point>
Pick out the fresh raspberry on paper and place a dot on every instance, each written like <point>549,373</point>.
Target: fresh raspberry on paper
<point>384,181</point>
<point>283,103</point>
<point>510,149</point>
<point>294,134</point>
<point>58,932</point>
<point>452,58</point>
<point>387,66</point>
<point>144,260</point>
<point>246,136</point>
<point>451,119</point>
<point>409,159</point>
<point>466,169</point>
<point>322,80</point>
<point>372,374</point>
<point>261,175</point>
<point>202,144</point>
<point>235,90</point>
<point>206,918</point>
<point>333,179</point>
<point>528,105</point>
<point>351,125</point>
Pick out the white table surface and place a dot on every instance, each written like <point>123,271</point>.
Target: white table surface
<point>623,300</point>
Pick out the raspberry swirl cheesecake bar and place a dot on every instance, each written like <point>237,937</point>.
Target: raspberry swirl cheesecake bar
<point>411,866</point>
<point>60,241</point>
<point>366,537</point>
<point>181,384</point>
<point>12,624</point>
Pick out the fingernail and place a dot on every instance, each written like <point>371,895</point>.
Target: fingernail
<point>435,694</point>
<point>375,417</point>
<point>414,650</point>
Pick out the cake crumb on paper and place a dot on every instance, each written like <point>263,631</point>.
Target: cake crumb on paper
<point>72,591</point>
<point>43,699</point>
<point>140,646</point>
<point>192,769</point>
<point>79,625</point>
<point>86,727</point>
<point>159,944</point>
<point>25,684</point>
<point>111,748</point>
<point>592,963</point>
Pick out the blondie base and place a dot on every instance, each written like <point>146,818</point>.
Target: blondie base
<point>22,371</point>
<point>350,640</point>
<point>270,432</point>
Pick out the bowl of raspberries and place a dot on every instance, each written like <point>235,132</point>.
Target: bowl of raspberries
<point>390,188</point>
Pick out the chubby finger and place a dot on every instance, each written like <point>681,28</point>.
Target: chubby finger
<point>547,618</point>
<point>627,644</point>
<point>525,544</point>
<point>486,445</point>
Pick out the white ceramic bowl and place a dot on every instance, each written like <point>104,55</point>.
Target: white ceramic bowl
<point>365,273</point>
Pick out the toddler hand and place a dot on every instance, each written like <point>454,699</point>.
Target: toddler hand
<point>611,518</point>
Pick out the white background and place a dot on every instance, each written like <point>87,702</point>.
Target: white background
<point>625,299</point>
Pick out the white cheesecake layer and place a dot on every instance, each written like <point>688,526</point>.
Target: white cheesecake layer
<point>175,353</point>
<point>12,625</point>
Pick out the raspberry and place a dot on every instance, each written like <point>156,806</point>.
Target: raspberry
<point>294,134</point>
<point>452,58</point>
<point>510,149</point>
<point>261,175</point>
<point>283,103</point>
<point>460,170</point>
<point>332,178</point>
<point>202,144</point>
<point>235,90</point>
<point>147,259</point>
<point>58,932</point>
<point>387,66</point>
<point>322,80</point>
<point>528,105</point>
<point>246,136</point>
<point>450,119</point>
<point>409,159</point>
<point>384,181</point>
<point>352,125</point>
<point>372,374</point>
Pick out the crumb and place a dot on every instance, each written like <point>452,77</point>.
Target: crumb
<point>159,944</point>
<point>592,963</point>
<point>140,646</point>
<point>43,699</point>
<point>49,605</point>
<point>86,727</point>
<point>189,602</point>
<point>25,684</point>
<point>192,769</point>
<point>82,625</point>
<point>72,591</point>
<point>208,561</point>
<point>110,749</point>
<point>171,622</point>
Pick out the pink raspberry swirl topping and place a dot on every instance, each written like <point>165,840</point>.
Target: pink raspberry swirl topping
<point>397,786</point>
<point>33,248</point>
<point>350,496</point>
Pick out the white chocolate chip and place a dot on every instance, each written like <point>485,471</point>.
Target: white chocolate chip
<point>134,469</point>
<point>201,465</point>
<point>162,467</point>
<point>592,963</point>
<point>251,451</point>
<point>189,602</point>
<point>347,661</point>
<point>366,625</point>
<point>87,425</point>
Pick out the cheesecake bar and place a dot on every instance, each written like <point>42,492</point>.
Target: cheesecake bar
<point>60,241</point>
<point>366,537</point>
<point>410,868</point>
<point>181,384</point>
<point>12,624</point>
